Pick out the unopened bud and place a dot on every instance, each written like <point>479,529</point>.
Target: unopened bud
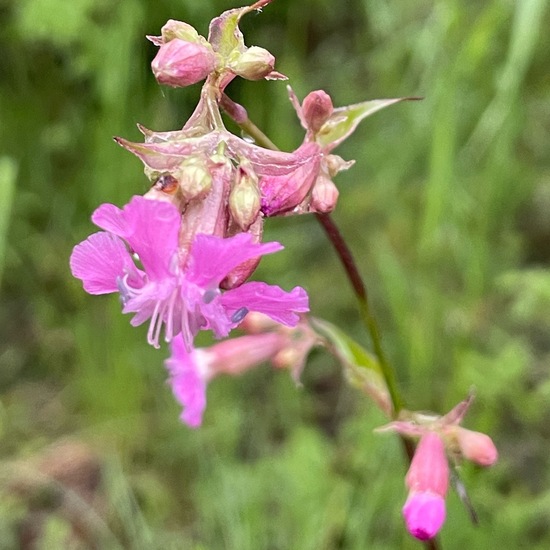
<point>244,199</point>
<point>180,63</point>
<point>178,29</point>
<point>254,63</point>
<point>316,109</point>
<point>476,446</point>
<point>194,179</point>
<point>324,195</point>
<point>428,481</point>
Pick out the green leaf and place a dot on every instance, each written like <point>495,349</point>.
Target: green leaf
<point>344,120</point>
<point>361,368</point>
<point>8,176</point>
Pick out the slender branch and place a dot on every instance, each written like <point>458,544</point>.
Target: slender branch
<point>346,258</point>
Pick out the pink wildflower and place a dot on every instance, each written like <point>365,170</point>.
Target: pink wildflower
<point>180,293</point>
<point>191,371</point>
<point>428,481</point>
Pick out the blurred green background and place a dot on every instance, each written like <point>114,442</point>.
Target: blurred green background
<point>447,210</point>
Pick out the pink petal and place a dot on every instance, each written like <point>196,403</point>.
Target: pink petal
<point>99,261</point>
<point>429,470</point>
<point>273,163</point>
<point>188,382</point>
<point>111,218</point>
<point>282,193</point>
<point>151,229</point>
<point>212,258</point>
<point>273,301</point>
<point>424,514</point>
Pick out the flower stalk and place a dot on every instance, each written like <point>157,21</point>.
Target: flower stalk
<point>240,117</point>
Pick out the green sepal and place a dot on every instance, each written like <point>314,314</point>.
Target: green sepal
<point>344,120</point>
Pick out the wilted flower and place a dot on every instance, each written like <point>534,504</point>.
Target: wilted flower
<point>191,371</point>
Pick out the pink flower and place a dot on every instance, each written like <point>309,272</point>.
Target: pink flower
<point>428,481</point>
<point>191,371</point>
<point>428,476</point>
<point>180,293</point>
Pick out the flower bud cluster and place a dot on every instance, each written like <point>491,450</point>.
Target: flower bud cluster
<point>185,57</point>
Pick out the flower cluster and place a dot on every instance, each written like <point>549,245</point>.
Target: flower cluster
<point>441,438</point>
<point>181,255</point>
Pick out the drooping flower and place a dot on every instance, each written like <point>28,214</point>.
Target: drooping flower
<point>191,371</point>
<point>427,481</point>
<point>176,289</point>
<point>428,477</point>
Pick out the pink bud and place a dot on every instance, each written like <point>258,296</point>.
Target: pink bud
<point>324,195</point>
<point>254,63</point>
<point>429,470</point>
<point>428,481</point>
<point>244,199</point>
<point>316,109</point>
<point>476,446</point>
<point>180,63</point>
<point>424,514</point>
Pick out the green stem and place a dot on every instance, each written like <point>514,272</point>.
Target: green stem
<point>367,317</point>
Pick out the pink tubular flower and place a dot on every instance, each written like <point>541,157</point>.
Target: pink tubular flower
<point>180,293</point>
<point>428,481</point>
<point>428,476</point>
<point>191,371</point>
